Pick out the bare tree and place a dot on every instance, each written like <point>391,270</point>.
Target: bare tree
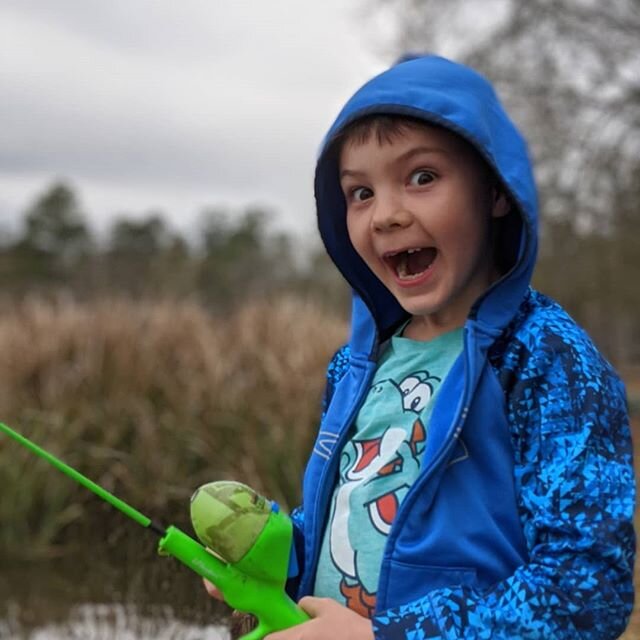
<point>569,74</point>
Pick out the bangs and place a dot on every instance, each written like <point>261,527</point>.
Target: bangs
<point>385,129</point>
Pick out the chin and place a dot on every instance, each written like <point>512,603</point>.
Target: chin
<point>418,305</point>
<point>442,313</point>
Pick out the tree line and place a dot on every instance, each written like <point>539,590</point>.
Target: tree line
<point>234,257</point>
<point>594,273</point>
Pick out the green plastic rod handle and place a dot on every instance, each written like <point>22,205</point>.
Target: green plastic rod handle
<point>255,538</point>
<point>250,535</point>
<point>265,599</point>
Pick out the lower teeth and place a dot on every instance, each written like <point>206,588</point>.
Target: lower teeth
<point>403,275</point>
<point>402,267</point>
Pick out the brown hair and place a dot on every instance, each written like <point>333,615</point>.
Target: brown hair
<point>385,128</point>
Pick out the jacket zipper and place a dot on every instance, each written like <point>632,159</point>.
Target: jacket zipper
<point>450,440</point>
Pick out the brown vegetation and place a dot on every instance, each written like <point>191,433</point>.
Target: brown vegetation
<point>153,399</point>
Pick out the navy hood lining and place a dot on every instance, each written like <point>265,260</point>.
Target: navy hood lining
<point>387,312</point>
<point>443,93</point>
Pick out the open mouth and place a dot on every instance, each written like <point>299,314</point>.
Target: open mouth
<point>412,263</point>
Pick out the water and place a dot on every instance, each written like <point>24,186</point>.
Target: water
<point>111,622</point>
<point>111,587</point>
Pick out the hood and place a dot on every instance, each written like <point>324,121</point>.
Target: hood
<point>453,96</point>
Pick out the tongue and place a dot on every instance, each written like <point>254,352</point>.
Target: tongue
<point>420,260</point>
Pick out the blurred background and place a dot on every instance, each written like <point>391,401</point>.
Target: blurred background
<point>167,310</point>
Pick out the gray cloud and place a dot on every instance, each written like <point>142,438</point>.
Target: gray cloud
<point>186,102</point>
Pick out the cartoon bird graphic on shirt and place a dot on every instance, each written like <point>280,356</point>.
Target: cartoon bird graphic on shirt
<point>389,464</point>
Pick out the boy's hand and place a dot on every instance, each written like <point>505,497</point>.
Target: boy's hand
<point>329,620</point>
<point>212,590</point>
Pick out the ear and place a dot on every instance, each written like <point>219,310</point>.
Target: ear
<point>501,204</point>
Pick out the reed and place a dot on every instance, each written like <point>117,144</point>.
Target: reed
<point>152,399</point>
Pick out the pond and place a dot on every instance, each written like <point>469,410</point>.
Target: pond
<point>107,622</point>
<point>111,591</point>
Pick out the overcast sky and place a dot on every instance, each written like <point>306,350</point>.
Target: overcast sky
<point>157,104</point>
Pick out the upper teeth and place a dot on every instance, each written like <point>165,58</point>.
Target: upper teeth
<point>413,250</point>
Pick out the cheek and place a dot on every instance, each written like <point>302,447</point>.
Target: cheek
<point>356,233</point>
<point>465,239</point>
<point>477,247</point>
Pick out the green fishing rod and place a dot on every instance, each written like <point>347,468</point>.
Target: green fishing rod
<point>249,535</point>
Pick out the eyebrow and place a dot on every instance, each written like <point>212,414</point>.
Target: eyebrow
<point>414,151</point>
<point>417,151</point>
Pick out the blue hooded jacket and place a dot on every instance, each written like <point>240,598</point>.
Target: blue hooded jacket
<point>531,536</point>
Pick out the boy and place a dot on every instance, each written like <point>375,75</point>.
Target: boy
<point>472,475</point>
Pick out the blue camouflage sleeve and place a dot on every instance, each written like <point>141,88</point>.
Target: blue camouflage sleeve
<point>335,372</point>
<point>576,488</point>
<point>297,552</point>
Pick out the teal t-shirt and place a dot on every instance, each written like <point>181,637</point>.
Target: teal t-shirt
<point>379,464</point>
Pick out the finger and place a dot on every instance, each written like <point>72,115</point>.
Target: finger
<point>292,633</point>
<point>315,606</point>
<point>212,590</point>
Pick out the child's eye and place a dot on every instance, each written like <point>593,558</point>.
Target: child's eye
<point>361,193</point>
<point>421,177</point>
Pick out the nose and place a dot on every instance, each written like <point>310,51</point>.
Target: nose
<point>390,213</point>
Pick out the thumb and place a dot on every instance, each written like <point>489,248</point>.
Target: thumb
<point>315,606</point>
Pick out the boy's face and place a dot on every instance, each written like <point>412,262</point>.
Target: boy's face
<point>419,211</point>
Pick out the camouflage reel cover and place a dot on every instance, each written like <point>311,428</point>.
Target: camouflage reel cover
<point>228,517</point>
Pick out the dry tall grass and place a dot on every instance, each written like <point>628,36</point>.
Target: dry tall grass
<point>153,399</point>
